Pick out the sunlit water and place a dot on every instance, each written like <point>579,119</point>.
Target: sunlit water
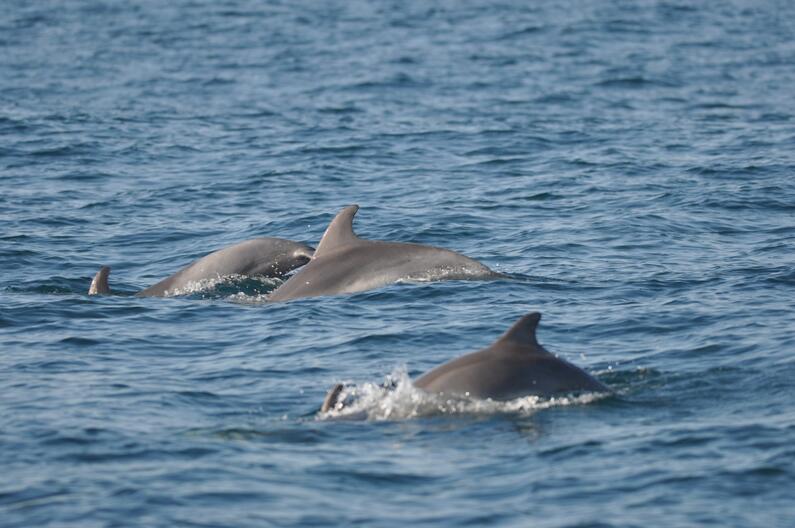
<point>629,165</point>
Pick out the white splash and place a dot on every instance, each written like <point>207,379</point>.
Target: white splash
<point>198,286</point>
<point>398,399</point>
<point>246,298</point>
<point>210,284</point>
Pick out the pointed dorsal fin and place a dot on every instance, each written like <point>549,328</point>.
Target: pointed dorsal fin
<point>339,231</point>
<point>523,331</point>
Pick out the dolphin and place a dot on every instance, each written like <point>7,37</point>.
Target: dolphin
<point>515,365</point>
<point>345,263</point>
<point>266,257</point>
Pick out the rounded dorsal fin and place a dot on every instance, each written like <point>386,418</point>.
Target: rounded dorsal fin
<point>339,232</point>
<point>523,331</point>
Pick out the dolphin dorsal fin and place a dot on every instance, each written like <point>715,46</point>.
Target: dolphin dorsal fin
<point>99,285</point>
<point>339,232</point>
<point>523,331</point>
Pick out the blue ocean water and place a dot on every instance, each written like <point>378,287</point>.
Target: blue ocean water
<point>630,164</point>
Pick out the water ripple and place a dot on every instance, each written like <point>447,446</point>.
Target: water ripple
<point>627,166</point>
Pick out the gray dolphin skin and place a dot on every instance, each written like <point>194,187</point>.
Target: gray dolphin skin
<point>514,366</point>
<point>99,284</point>
<point>266,257</point>
<point>345,263</point>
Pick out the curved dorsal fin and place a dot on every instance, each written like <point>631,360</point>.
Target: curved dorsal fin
<point>339,231</point>
<point>523,331</point>
<point>99,285</point>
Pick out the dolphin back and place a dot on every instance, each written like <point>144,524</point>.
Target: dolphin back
<point>515,365</point>
<point>345,263</point>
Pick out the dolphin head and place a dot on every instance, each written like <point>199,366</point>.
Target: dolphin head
<point>275,257</point>
<point>293,256</point>
<point>303,254</point>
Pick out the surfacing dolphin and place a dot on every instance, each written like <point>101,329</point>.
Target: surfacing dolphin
<point>514,366</point>
<point>345,263</point>
<point>263,257</point>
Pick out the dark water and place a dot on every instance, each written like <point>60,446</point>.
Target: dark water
<point>631,163</point>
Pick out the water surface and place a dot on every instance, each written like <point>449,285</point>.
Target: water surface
<point>630,164</point>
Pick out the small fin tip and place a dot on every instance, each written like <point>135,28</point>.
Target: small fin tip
<point>330,401</point>
<point>99,284</point>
